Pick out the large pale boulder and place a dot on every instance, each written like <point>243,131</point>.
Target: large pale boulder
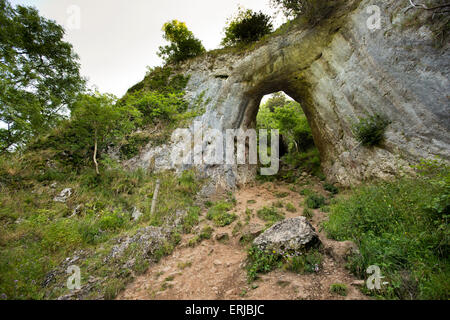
<point>292,235</point>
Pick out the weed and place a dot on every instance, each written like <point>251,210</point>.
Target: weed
<point>308,213</point>
<point>269,215</point>
<point>339,288</point>
<point>315,201</point>
<point>370,131</point>
<point>331,188</point>
<point>291,208</point>
<point>219,214</point>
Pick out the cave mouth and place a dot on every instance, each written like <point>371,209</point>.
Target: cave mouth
<point>298,153</point>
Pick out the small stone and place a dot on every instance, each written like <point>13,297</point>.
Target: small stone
<point>222,237</point>
<point>63,196</point>
<point>358,283</point>
<point>217,262</point>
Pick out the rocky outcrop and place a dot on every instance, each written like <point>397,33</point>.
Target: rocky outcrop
<point>289,236</point>
<point>338,70</point>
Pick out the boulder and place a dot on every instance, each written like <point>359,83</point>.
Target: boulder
<point>290,235</point>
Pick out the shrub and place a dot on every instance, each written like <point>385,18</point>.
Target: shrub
<point>315,201</point>
<point>339,288</point>
<point>401,226</point>
<point>246,27</point>
<point>219,214</point>
<point>308,213</point>
<point>312,10</point>
<point>308,262</point>
<point>111,221</point>
<point>290,207</point>
<point>306,192</point>
<point>260,261</point>
<point>156,106</point>
<point>133,145</point>
<point>183,44</point>
<point>370,131</point>
<point>191,220</point>
<point>270,215</point>
<point>331,188</point>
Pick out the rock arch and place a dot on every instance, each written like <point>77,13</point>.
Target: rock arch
<point>338,70</point>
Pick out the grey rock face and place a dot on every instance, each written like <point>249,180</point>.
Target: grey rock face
<point>290,235</point>
<point>338,70</point>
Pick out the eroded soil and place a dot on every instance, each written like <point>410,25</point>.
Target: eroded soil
<point>216,269</point>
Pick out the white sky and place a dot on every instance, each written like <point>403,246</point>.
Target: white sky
<point>117,39</point>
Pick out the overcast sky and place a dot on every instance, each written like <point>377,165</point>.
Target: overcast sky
<point>117,39</point>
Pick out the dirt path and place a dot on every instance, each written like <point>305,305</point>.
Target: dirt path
<point>215,269</point>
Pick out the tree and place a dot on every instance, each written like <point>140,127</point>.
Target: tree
<point>100,121</point>
<point>183,45</point>
<point>312,10</point>
<point>39,74</point>
<point>247,26</point>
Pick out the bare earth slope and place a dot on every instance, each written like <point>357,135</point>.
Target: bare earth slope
<point>216,269</point>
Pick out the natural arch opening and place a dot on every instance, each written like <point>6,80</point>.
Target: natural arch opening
<point>298,153</point>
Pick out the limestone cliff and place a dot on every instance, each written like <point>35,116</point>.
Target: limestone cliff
<point>338,70</point>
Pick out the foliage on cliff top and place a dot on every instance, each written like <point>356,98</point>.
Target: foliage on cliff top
<point>183,44</point>
<point>312,10</point>
<point>246,27</point>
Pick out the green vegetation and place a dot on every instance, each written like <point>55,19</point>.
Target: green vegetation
<point>295,134</point>
<point>339,288</point>
<point>98,121</point>
<point>290,207</point>
<point>38,234</point>
<point>246,27</point>
<point>315,201</point>
<point>191,219</point>
<point>309,262</point>
<point>219,214</point>
<point>205,234</point>
<point>39,75</point>
<point>370,131</point>
<point>331,188</point>
<point>278,204</point>
<point>308,213</point>
<point>270,215</point>
<point>306,192</point>
<point>312,10</point>
<point>402,227</point>
<point>259,261</point>
<point>183,45</point>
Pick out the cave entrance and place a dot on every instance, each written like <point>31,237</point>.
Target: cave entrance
<point>298,152</point>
